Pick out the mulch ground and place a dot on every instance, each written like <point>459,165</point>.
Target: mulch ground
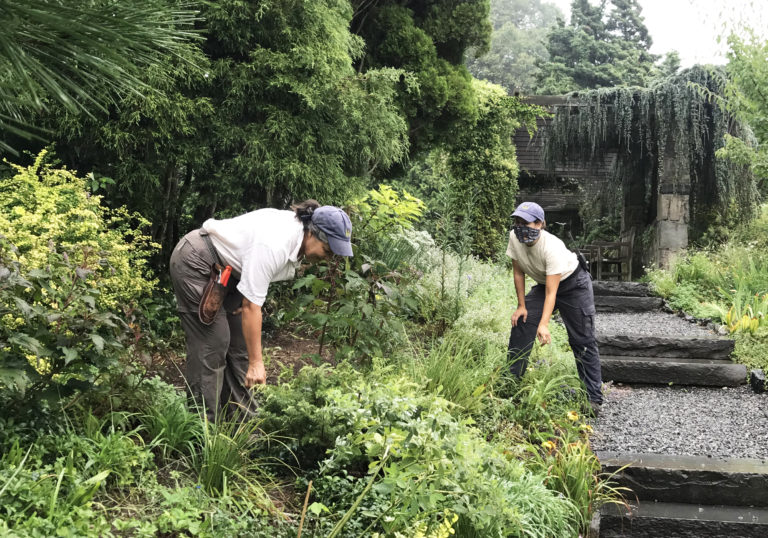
<point>286,350</point>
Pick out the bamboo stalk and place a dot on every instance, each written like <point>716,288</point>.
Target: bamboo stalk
<point>304,508</point>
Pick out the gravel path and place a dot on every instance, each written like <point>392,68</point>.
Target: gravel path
<point>692,421</point>
<point>649,324</point>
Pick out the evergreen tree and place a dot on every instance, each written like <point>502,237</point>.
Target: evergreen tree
<point>518,44</point>
<point>670,65</point>
<point>428,41</point>
<point>598,48</point>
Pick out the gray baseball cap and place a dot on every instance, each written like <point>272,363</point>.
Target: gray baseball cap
<point>337,226</point>
<point>529,212</point>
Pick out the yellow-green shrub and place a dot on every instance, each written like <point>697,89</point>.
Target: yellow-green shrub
<point>42,207</point>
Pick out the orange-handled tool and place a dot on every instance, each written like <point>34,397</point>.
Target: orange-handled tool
<point>225,275</point>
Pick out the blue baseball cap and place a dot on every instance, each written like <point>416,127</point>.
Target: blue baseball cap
<point>337,226</point>
<point>529,212</point>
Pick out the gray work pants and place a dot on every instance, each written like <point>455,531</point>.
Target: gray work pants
<point>217,357</point>
<point>576,304</point>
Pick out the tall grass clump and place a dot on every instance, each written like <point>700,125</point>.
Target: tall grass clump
<point>223,455</point>
<point>460,368</point>
<point>171,427</point>
<point>727,283</point>
<point>573,470</point>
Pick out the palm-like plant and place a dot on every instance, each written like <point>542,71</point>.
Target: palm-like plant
<point>82,54</point>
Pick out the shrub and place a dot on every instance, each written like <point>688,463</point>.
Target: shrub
<point>43,208</point>
<point>71,275</point>
<point>418,457</point>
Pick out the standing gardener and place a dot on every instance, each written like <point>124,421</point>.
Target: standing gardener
<point>562,283</point>
<point>221,273</point>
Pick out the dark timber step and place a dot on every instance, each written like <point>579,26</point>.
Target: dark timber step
<point>663,346</point>
<point>611,303</point>
<point>679,371</point>
<point>663,520</point>
<point>625,289</point>
<point>690,479</point>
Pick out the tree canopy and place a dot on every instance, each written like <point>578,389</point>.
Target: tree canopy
<point>598,48</point>
<point>518,44</point>
<point>81,55</point>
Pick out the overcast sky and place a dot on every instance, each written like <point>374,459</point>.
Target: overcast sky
<point>692,26</point>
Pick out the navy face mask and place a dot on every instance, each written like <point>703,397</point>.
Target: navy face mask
<point>525,234</point>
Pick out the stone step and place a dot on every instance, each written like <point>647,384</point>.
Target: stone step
<point>611,303</point>
<point>666,370</point>
<point>665,346</point>
<point>690,479</point>
<point>662,520</point>
<point>625,289</point>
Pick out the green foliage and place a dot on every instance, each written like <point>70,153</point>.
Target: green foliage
<point>460,368</point>
<point>72,272</point>
<point>42,206</point>
<point>428,42</point>
<point>80,55</point>
<point>171,426</point>
<point>150,155</point>
<point>421,459</point>
<point>573,470</point>
<point>726,283</point>
<point>598,48</point>
<point>481,161</point>
<point>745,98</point>
<point>690,124</point>
<point>358,308</point>
<point>518,44</point>
<point>223,454</point>
<point>294,119</point>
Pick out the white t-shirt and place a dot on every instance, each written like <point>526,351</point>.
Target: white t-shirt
<point>261,246</point>
<point>548,256</point>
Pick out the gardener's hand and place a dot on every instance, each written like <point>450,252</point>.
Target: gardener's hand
<point>542,333</point>
<point>520,312</point>
<point>256,375</point>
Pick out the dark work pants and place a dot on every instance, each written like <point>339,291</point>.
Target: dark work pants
<point>576,304</point>
<point>217,357</point>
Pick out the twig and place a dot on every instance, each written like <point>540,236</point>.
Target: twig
<point>304,509</point>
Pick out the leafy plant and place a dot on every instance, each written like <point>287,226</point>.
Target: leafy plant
<point>54,337</point>
<point>171,427</point>
<point>357,308</point>
<point>459,368</point>
<point>573,470</point>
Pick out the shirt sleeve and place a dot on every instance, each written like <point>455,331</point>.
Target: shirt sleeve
<point>510,250</point>
<point>260,266</point>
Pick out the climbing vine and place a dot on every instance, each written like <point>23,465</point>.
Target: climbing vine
<point>681,115</point>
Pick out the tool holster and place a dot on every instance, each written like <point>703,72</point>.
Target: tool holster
<point>217,288</point>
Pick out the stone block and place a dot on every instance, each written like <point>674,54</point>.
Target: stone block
<point>620,289</point>
<point>673,207</point>
<point>690,479</point>
<point>664,346</point>
<point>671,235</point>
<point>757,380</point>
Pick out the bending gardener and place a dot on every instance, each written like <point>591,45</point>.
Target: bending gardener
<point>224,348</point>
<point>561,283</point>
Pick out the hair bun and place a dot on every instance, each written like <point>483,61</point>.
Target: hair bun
<point>306,215</point>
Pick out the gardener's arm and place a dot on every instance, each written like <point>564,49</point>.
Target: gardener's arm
<point>252,332</point>
<point>550,296</point>
<point>521,311</point>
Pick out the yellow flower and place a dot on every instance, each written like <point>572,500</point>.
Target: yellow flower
<point>573,416</point>
<point>585,428</point>
<point>548,445</point>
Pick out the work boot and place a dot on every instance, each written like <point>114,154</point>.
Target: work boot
<point>595,408</point>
